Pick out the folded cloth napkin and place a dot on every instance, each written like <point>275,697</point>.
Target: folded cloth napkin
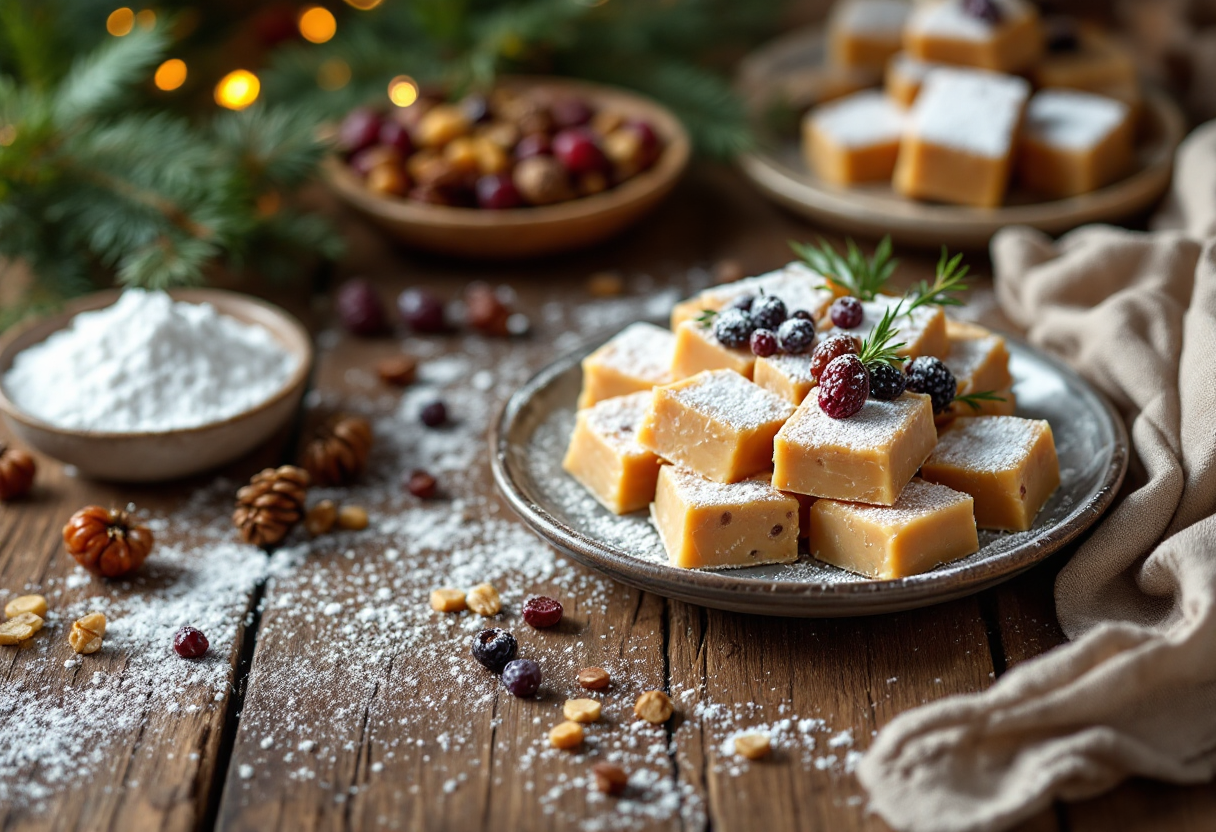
<point>1134,691</point>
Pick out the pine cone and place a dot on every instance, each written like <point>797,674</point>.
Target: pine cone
<point>16,472</point>
<point>107,542</point>
<point>272,503</point>
<point>338,453</point>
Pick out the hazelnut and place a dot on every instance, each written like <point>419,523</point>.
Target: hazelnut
<point>654,706</point>
<point>398,370</point>
<point>491,158</point>
<point>87,633</point>
<point>461,154</point>
<point>581,710</point>
<point>566,735</point>
<point>624,149</point>
<point>502,134</point>
<point>26,603</point>
<point>753,746</point>
<point>447,599</point>
<point>321,518</point>
<point>593,678</point>
<point>609,778</point>
<point>353,518</point>
<point>387,180</point>
<point>441,124</point>
<point>483,599</point>
<point>541,180</point>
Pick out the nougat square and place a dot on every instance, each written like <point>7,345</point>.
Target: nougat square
<point>604,454</point>
<point>635,359</point>
<point>979,361</point>
<point>923,332</point>
<point>866,458</point>
<point>929,525</point>
<point>1074,142</point>
<point>854,139</point>
<point>716,423</point>
<point>959,142</point>
<point>904,76</point>
<point>698,349</point>
<point>951,33</point>
<point>797,284</point>
<point>711,525</point>
<point>864,33</point>
<point>1008,466</point>
<point>789,376</point>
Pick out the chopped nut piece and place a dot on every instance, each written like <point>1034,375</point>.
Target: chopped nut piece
<point>448,600</point>
<point>18,628</point>
<point>753,746</point>
<point>609,778</point>
<point>593,678</point>
<point>483,599</point>
<point>398,370</point>
<point>581,710</point>
<point>321,518</point>
<point>26,603</point>
<point>654,706</point>
<point>605,285</point>
<point>566,735</point>
<point>87,633</point>
<point>353,518</point>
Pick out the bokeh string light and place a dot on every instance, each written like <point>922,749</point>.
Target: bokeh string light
<point>402,91</point>
<point>317,24</point>
<point>120,22</point>
<point>238,89</point>
<point>170,75</point>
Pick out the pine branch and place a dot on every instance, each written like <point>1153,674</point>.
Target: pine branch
<point>863,278</point>
<point>947,283</point>
<point>973,400</point>
<point>97,81</point>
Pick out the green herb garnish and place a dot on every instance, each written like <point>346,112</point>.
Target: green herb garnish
<point>862,277</point>
<point>973,400</point>
<point>946,285</point>
<point>706,317</point>
<point>877,347</point>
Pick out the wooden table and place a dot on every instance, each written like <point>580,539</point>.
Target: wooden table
<point>334,698</point>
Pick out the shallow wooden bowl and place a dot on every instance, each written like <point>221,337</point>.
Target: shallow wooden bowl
<point>531,232</point>
<point>165,455</point>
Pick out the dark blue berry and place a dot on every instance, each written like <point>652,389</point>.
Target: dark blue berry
<point>764,343</point>
<point>493,648</point>
<point>768,312</point>
<point>802,315</point>
<point>887,383</point>
<point>434,414</point>
<point>734,328</point>
<point>360,309</point>
<point>930,376</point>
<point>743,302</point>
<point>522,677</point>
<point>847,313</point>
<point>796,336</point>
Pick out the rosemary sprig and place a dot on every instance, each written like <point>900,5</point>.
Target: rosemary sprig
<point>973,400</point>
<point>877,347</point>
<point>706,317</point>
<point>862,277</point>
<point>946,284</point>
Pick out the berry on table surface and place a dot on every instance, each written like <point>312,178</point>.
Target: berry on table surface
<point>844,387</point>
<point>497,192</point>
<point>829,349</point>
<point>360,309</point>
<point>422,311</point>
<point>796,336</point>
<point>360,129</point>
<point>577,149</point>
<point>847,312</point>
<point>493,648</point>
<point>522,677</point>
<point>17,470</point>
<point>422,485</point>
<point>189,643</point>
<point>541,611</point>
<point>932,377</point>
<point>768,312</point>
<point>609,778</point>
<point>887,382</point>
<point>764,343</point>
<point>734,328</point>
<point>485,311</point>
<point>434,414</point>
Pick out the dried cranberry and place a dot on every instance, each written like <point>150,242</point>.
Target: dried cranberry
<point>734,328</point>
<point>768,312</point>
<point>536,144</point>
<point>189,643</point>
<point>422,311</point>
<point>796,336</point>
<point>360,309</point>
<point>931,376</point>
<point>764,343</point>
<point>493,648</point>
<point>570,112</point>
<point>844,387</point>
<point>887,383</point>
<point>434,414</point>
<point>831,348</point>
<point>421,484</point>
<point>360,129</point>
<point>847,313</point>
<point>521,677</point>
<point>578,151</point>
<point>394,135</point>
<point>542,611</point>
<point>497,192</point>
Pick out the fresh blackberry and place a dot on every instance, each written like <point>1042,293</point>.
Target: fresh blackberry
<point>830,348</point>
<point>796,336</point>
<point>764,342</point>
<point>887,383</point>
<point>768,312</point>
<point>847,312</point>
<point>844,387</point>
<point>521,677</point>
<point>734,328</point>
<point>493,648</point>
<point>930,376</point>
<point>743,302</point>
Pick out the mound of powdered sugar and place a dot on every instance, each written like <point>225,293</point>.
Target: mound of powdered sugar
<point>148,363</point>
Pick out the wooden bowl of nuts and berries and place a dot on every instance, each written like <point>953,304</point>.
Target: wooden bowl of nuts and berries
<point>535,167</point>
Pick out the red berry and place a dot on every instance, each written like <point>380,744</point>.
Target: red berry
<point>650,139</point>
<point>534,144</point>
<point>570,112</point>
<point>434,414</point>
<point>764,343</point>
<point>844,387</point>
<point>421,484</point>
<point>541,611</point>
<point>422,311</point>
<point>394,135</point>
<point>497,192</point>
<point>577,150</point>
<point>360,129</point>
<point>189,643</point>
<point>829,349</point>
<point>847,313</point>
<point>360,309</point>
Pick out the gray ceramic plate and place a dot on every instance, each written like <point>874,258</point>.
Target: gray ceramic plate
<point>530,440</point>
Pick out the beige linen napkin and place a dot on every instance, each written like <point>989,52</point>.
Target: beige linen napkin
<point>1134,691</point>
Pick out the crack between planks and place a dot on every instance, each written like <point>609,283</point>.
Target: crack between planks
<point>992,628</point>
<point>348,803</point>
<point>665,629</point>
<point>485,812</point>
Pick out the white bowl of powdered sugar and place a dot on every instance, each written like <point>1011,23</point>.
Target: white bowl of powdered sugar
<point>148,386</point>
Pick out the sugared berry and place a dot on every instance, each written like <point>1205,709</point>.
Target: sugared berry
<point>497,192</point>
<point>985,10</point>
<point>844,387</point>
<point>422,311</point>
<point>536,144</point>
<point>189,643</point>
<point>932,377</point>
<point>796,336</point>
<point>360,129</point>
<point>521,677</point>
<point>764,343</point>
<point>578,151</point>
<point>421,484</point>
<point>802,315</point>
<point>768,312</point>
<point>887,382</point>
<point>743,302</point>
<point>493,648</point>
<point>734,328</point>
<point>542,611</point>
<point>847,312</point>
<point>360,309</point>
<point>830,348</point>
<point>434,414</point>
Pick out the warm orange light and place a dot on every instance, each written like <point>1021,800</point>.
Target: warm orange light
<point>146,19</point>
<point>170,75</point>
<point>363,5</point>
<point>402,91</point>
<point>333,74</point>
<point>317,24</point>
<point>120,22</point>
<point>238,89</point>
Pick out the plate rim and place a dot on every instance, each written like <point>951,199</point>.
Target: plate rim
<point>722,590</point>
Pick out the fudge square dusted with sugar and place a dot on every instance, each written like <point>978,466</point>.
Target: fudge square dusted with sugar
<point>635,359</point>
<point>854,139</point>
<point>604,454</point>
<point>797,284</point>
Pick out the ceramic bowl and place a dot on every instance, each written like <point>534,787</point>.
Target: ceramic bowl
<point>158,456</point>
<point>530,232</point>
